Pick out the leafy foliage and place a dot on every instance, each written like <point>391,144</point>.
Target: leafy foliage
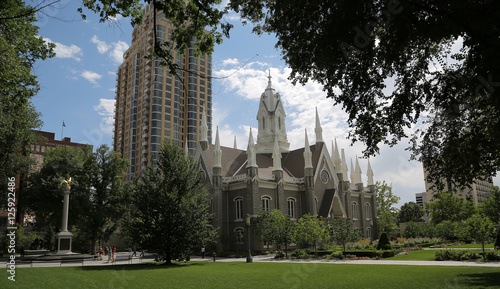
<point>386,200</point>
<point>20,48</point>
<point>411,212</point>
<point>491,206</point>
<point>354,47</point>
<point>480,229</point>
<point>342,232</point>
<point>448,207</point>
<point>97,197</point>
<point>170,209</point>
<point>309,230</point>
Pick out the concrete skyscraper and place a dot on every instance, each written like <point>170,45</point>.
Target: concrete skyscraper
<point>152,104</point>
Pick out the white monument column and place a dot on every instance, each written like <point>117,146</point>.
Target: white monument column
<point>64,237</point>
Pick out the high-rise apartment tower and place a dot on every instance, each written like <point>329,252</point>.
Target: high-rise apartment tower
<point>152,104</point>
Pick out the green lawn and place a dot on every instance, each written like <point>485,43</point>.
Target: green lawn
<point>418,255</point>
<point>478,246</point>
<point>254,275</point>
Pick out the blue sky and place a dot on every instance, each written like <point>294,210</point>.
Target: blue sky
<point>77,87</point>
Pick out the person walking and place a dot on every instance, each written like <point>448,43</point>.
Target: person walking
<point>135,251</point>
<point>202,252</point>
<point>110,255</point>
<point>114,253</point>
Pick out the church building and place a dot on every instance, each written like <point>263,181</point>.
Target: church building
<point>268,176</point>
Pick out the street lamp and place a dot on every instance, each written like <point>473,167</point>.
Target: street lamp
<point>249,257</point>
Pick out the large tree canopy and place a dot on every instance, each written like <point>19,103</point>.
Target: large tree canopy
<point>390,64</point>
<point>20,47</point>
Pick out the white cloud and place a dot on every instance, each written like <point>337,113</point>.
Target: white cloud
<point>91,76</point>
<point>105,109</point>
<point>64,51</point>
<point>115,49</point>
<point>102,47</point>
<point>231,61</point>
<point>117,52</point>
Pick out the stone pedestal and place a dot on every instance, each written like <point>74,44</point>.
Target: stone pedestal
<point>64,240</point>
<point>64,237</point>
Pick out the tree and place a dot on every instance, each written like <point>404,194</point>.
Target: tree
<point>170,209</point>
<point>411,212</point>
<point>448,207</point>
<point>480,229</point>
<point>491,206</point>
<point>386,200</point>
<point>107,198</point>
<point>262,225</point>
<point>97,198</point>
<point>342,232</point>
<point>497,240</point>
<point>309,230</point>
<point>43,197</point>
<point>283,229</point>
<point>20,48</point>
<point>386,208</point>
<point>387,223</point>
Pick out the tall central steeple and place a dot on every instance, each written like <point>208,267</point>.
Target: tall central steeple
<point>271,118</point>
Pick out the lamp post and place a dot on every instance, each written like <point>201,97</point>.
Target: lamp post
<point>249,257</point>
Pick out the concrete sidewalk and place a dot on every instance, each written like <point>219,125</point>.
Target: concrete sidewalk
<point>262,258</point>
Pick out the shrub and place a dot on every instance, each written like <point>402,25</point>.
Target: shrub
<point>301,254</point>
<point>492,255</point>
<point>336,255</point>
<point>459,255</point>
<point>497,241</point>
<point>279,255</point>
<point>383,243</point>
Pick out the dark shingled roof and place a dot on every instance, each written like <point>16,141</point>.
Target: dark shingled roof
<point>326,204</point>
<point>234,161</point>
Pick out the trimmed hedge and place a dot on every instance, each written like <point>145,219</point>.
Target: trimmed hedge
<point>371,253</point>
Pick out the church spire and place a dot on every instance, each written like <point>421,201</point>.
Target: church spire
<point>204,131</point>
<point>337,162</point>
<point>307,153</point>
<point>353,175</point>
<point>357,172</point>
<point>251,151</point>
<point>318,130</point>
<point>369,174</point>
<point>344,167</point>
<point>276,156</point>
<point>217,151</point>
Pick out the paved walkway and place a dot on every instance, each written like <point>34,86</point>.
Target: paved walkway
<point>122,260</point>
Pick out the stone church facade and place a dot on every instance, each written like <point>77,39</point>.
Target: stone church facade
<point>268,176</point>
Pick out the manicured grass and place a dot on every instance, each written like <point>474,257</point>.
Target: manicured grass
<point>254,275</point>
<point>418,255</point>
<point>478,246</point>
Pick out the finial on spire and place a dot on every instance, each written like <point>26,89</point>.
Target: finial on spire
<point>269,79</point>
<point>251,151</point>
<point>318,129</point>
<point>369,174</point>
<point>307,153</point>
